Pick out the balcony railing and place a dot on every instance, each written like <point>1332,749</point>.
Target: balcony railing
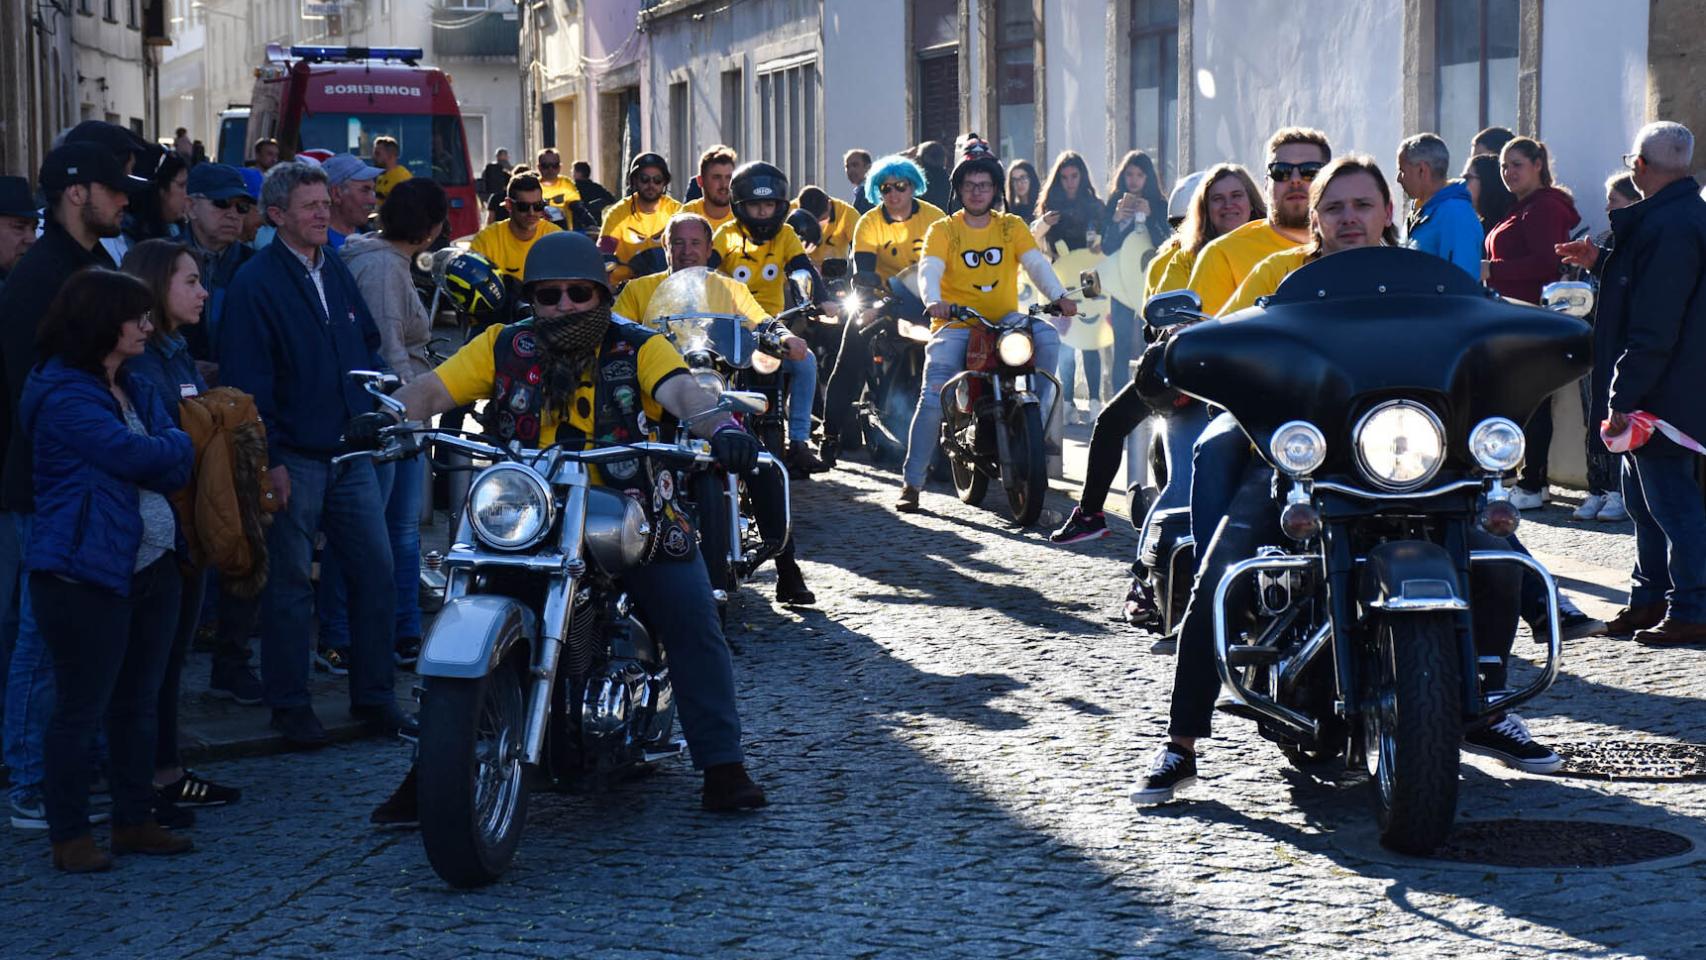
<point>468,34</point>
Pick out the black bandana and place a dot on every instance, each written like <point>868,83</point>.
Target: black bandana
<point>571,345</point>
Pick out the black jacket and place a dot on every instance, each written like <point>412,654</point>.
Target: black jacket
<point>29,291</point>
<point>1650,333</point>
<point>494,179</point>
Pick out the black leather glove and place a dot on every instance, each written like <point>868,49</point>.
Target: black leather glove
<point>735,449</point>
<point>1151,384</point>
<point>362,432</point>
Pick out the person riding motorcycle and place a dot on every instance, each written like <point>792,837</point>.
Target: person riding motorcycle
<point>972,259</point>
<point>574,373</point>
<point>836,221</point>
<point>631,236</point>
<point>687,241</point>
<point>887,240</point>
<point>760,250</point>
<point>1350,206</point>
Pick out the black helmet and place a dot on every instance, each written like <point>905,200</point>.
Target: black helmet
<point>645,160</point>
<point>806,225</point>
<point>565,255</point>
<point>474,285</point>
<point>984,163</point>
<point>754,182</point>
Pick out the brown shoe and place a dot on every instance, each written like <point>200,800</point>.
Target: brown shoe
<point>728,788</point>
<point>1632,618</point>
<point>81,856</point>
<point>149,838</point>
<point>1672,633</point>
<point>907,502</point>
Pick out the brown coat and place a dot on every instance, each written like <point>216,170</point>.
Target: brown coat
<point>225,509</point>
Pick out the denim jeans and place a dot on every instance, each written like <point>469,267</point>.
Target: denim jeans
<point>1127,344</point>
<point>190,594</point>
<point>1670,529</point>
<point>674,599</point>
<point>945,356</point>
<point>344,502</point>
<point>11,566</point>
<point>1218,460</point>
<point>1068,371</point>
<point>109,653</point>
<point>1178,441</point>
<point>802,393</point>
<point>1537,434</point>
<point>29,684</point>
<point>401,485</point>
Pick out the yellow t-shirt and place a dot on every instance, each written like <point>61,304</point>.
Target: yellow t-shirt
<point>1177,276</point>
<point>469,376</point>
<point>761,266</point>
<point>560,193</point>
<point>837,234</point>
<point>1157,269</point>
<point>628,232</point>
<point>698,206</point>
<point>1264,279</point>
<point>637,294</point>
<point>1226,260</point>
<point>498,243</point>
<point>982,262</point>
<point>897,245</point>
<point>383,183</point>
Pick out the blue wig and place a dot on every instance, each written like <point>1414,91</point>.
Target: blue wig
<point>893,167</point>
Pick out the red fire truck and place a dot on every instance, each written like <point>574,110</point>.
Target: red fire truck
<point>343,98</point>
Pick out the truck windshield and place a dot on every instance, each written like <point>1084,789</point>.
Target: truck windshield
<point>432,144</point>
<point>232,132</point>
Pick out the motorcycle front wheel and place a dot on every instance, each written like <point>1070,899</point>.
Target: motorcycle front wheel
<point>473,794</point>
<point>1412,729</point>
<point>1027,488</point>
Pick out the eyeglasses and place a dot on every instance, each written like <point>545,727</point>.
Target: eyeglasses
<point>896,186</point>
<point>1629,160</point>
<point>650,178</point>
<point>977,186</point>
<point>576,292</point>
<point>1281,172</point>
<point>143,322</point>
<point>243,205</point>
<point>520,206</point>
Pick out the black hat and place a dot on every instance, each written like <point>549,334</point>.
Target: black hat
<point>85,162</point>
<point>17,199</point>
<point>120,141</point>
<point>645,160</point>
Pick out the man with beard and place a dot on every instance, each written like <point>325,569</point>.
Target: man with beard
<point>87,192</point>
<point>590,367</point>
<point>1295,156</point>
<point>633,228</point>
<point>716,169</point>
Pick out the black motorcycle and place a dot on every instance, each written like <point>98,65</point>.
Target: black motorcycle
<point>896,332</point>
<point>1386,389</point>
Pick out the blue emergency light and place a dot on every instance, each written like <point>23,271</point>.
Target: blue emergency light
<point>409,55</point>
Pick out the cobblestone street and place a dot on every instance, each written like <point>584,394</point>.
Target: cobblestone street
<point>948,741</point>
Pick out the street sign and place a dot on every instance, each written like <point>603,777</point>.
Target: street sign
<point>320,9</point>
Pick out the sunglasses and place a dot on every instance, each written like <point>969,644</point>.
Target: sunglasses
<point>649,178</point>
<point>1281,172</point>
<point>243,206</point>
<point>522,207</point>
<point>576,292</point>
<point>896,186</point>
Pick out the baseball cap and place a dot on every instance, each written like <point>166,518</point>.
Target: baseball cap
<point>346,167</point>
<point>17,200</point>
<point>86,162</point>
<point>1179,203</point>
<point>252,180</point>
<point>119,141</point>
<point>216,181</point>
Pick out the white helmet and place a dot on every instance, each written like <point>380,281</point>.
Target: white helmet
<point>1179,204</point>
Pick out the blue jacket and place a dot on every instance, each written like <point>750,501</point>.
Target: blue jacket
<point>89,467</point>
<point>1448,227</point>
<point>277,344</point>
<point>217,271</point>
<point>169,368</point>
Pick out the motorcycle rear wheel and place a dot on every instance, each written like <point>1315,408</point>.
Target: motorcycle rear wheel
<point>1027,490</point>
<point>970,483</point>
<point>473,793</point>
<point>1413,728</point>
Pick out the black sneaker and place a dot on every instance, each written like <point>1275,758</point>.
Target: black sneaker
<point>191,790</point>
<point>300,728</point>
<point>1140,608</point>
<point>791,589</point>
<point>408,651</point>
<point>169,815</point>
<point>402,808</point>
<point>1509,742</point>
<point>1573,624</point>
<point>1171,769</point>
<point>1081,526</point>
<point>386,719</point>
<point>235,681</point>
<point>332,661</point>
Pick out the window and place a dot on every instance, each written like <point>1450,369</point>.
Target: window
<point>679,147</point>
<point>86,7</point>
<point>935,42</point>
<point>432,145</point>
<point>131,16</point>
<point>1155,82</point>
<point>465,4</point>
<point>1476,51</point>
<point>1016,75</point>
<point>787,119</point>
<point>109,10</point>
<point>731,103</point>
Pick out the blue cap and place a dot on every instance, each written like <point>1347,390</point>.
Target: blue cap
<point>345,167</point>
<point>216,181</point>
<point>252,181</point>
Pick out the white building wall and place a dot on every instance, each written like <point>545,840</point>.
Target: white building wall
<point>1075,84</point>
<point>864,80</point>
<point>1593,94</point>
<point>109,67</point>
<point>1264,64</point>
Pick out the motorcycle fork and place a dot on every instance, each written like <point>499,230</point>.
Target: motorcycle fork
<point>1003,443</point>
<point>554,625</point>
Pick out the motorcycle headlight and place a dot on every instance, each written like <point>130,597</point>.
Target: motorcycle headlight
<point>1298,448</point>
<point>711,381</point>
<point>1015,348</point>
<point>764,363</point>
<point>1400,445</point>
<point>1497,445</point>
<point>510,507</point>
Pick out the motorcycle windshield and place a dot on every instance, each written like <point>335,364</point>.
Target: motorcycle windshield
<point>699,315</point>
<point>1366,325</point>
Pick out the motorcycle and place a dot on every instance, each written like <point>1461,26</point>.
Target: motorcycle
<point>896,333</point>
<point>538,670</point>
<point>992,421</point>
<point>723,356</point>
<point>1386,389</point>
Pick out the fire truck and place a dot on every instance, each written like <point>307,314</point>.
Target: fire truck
<point>343,98</point>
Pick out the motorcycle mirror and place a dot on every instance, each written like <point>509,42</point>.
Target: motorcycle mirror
<point>743,401</point>
<point>1574,297</point>
<point>1090,284</point>
<point>371,378</point>
<point>802,282</point>
<point>1172,307</point>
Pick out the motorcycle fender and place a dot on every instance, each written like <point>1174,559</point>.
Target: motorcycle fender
<point>468,638</point>
<point>1410,576</point>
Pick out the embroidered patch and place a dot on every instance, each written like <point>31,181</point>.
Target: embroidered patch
<point>618,370</point>
<point>623,469</point>
<point>521,399</point>
<point>524,345</point>
<point>675,542</point>
<point>534,375</point>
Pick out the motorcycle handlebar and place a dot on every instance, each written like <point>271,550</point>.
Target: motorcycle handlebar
<point>404,440</point>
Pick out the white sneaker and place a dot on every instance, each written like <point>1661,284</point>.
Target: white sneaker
<point>1614,511</point>
<point>1095,410</point>
<point>1523,500</point>
<point>1589,510</point>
